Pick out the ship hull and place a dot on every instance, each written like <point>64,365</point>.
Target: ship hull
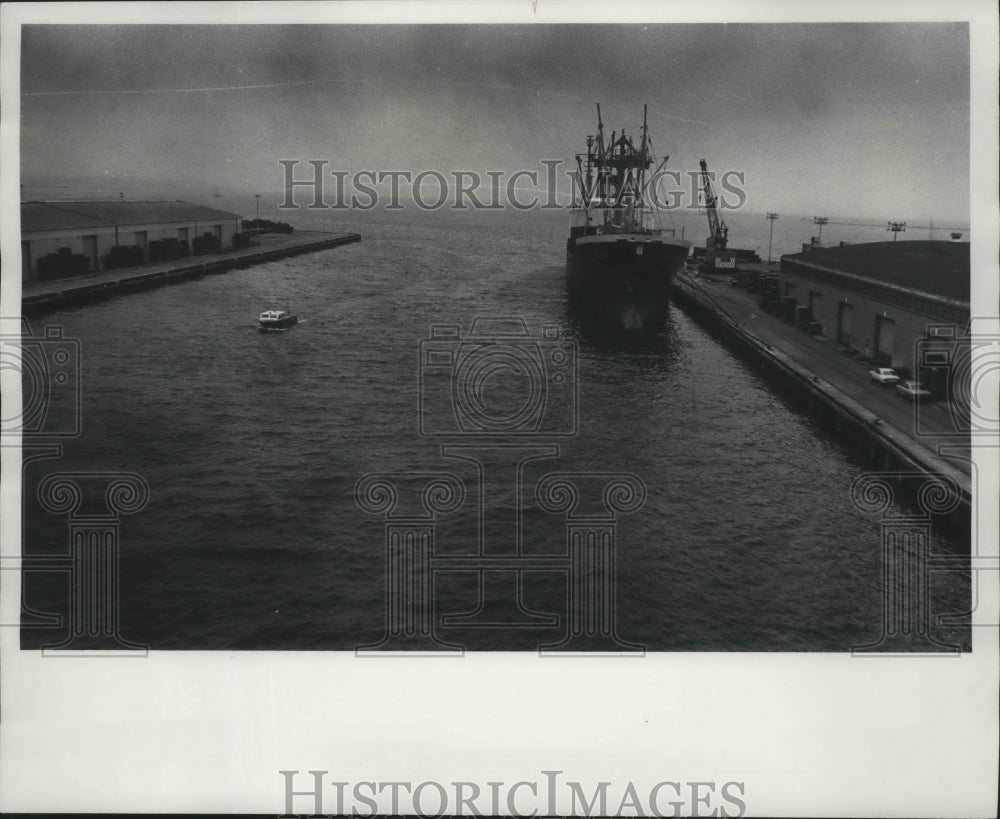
<point>279,324</point>
<point>623,280</point>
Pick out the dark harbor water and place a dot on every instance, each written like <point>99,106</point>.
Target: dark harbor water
<point>252,444</point>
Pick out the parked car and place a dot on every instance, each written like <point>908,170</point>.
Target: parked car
<point>912,389</point>
<point>884,375</point>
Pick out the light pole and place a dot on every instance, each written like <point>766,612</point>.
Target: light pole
<point>820,220</point>
<point>771,217</point>
<point>896,228</point>
<point>257,223</point>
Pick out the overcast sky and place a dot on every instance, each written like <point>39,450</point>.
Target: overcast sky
<point>866,120</point>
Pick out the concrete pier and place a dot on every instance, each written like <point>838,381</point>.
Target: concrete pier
<point>887,430</point>
<point>41,296</point>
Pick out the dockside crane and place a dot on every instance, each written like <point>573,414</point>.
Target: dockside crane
<point>718,232</point>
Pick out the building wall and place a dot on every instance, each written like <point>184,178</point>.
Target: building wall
<point>43,242</point>
<point>881,323</point>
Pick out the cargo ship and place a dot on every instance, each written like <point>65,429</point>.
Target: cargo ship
<point>619,262</point>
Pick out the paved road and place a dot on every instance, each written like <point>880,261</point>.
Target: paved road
<point>928,424</point>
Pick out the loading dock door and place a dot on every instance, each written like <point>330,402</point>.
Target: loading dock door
<point>845,324</point>
<point>90,251</point>
<point>815,303</point>
<point>814,298</point>
<point>885,339</point>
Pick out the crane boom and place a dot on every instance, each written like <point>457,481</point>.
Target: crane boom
<point>719,231</point>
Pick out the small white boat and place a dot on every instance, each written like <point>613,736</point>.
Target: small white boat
<point>277,320</point>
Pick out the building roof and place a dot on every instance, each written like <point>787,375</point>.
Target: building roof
<point>68,215</point>
<point>938,268</point>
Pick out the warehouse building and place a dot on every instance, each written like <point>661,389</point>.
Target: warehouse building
<point>60,239</point>
<point>890,302</point>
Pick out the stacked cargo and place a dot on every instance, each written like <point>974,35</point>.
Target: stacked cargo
<point>770,293</point>
<point>165,250</point>
<point>257,226</point>
<point>63,264</point>
<point>124,256</point>
<point>206,243</point>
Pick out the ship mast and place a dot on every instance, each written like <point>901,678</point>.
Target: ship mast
<point>644,162</point>
<point>599,154</point>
